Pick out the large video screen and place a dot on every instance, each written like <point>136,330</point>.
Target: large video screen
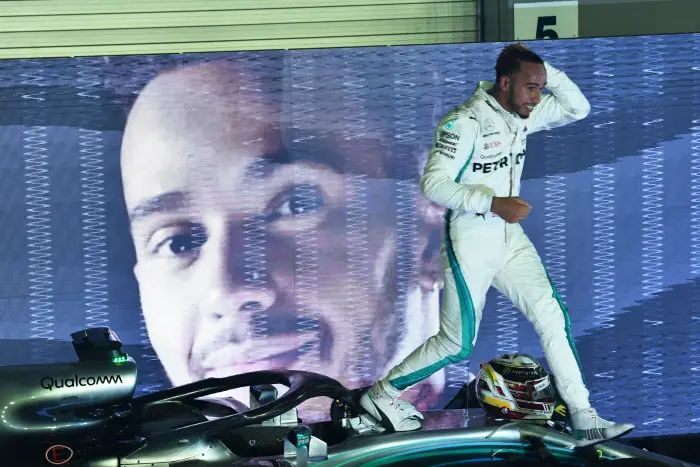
<point>230,212</point>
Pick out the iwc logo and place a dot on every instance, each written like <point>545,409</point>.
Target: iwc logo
<point>450,125</point>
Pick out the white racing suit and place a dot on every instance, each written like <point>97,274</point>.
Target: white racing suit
<point>478,153</point>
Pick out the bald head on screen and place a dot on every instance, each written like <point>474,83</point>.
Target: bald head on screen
<point>239,212</point>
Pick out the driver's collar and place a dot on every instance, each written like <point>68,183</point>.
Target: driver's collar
<point>482,90</point>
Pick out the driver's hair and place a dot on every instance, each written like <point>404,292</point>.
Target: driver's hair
<point>510,58</point>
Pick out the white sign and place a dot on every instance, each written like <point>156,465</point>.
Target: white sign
<point>545,20</point>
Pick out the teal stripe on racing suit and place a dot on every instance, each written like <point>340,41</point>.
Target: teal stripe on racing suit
<point>466,304</point>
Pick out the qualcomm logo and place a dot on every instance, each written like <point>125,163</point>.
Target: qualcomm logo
<point>49,383</point>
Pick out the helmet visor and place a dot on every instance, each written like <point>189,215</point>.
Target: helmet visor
<point>540,390</point>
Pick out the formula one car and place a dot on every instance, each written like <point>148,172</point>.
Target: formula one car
<point>85,414</point>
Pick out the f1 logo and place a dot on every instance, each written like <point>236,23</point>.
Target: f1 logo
<point>59,454</point>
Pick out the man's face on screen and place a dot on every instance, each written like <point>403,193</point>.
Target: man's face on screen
<point>242,248</point>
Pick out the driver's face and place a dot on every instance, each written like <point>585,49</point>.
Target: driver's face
<point>243,256</point>
<point>525,88</point>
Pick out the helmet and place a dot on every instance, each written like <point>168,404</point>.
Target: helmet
<point>515,386</point>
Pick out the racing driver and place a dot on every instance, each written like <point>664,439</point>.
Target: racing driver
<point>473,170</point>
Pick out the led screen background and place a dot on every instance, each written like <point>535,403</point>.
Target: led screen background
<point>614,216</point>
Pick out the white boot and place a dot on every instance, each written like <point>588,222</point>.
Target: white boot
<point>588,428</point>
<point>381,402</point>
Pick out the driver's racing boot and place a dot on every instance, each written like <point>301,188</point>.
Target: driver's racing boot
<point>381,402</point>
<point>588,428</point>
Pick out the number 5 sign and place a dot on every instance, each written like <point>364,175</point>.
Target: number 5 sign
<point>545,20</point>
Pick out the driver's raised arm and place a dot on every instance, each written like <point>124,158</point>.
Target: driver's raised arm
<point>564,104</point>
